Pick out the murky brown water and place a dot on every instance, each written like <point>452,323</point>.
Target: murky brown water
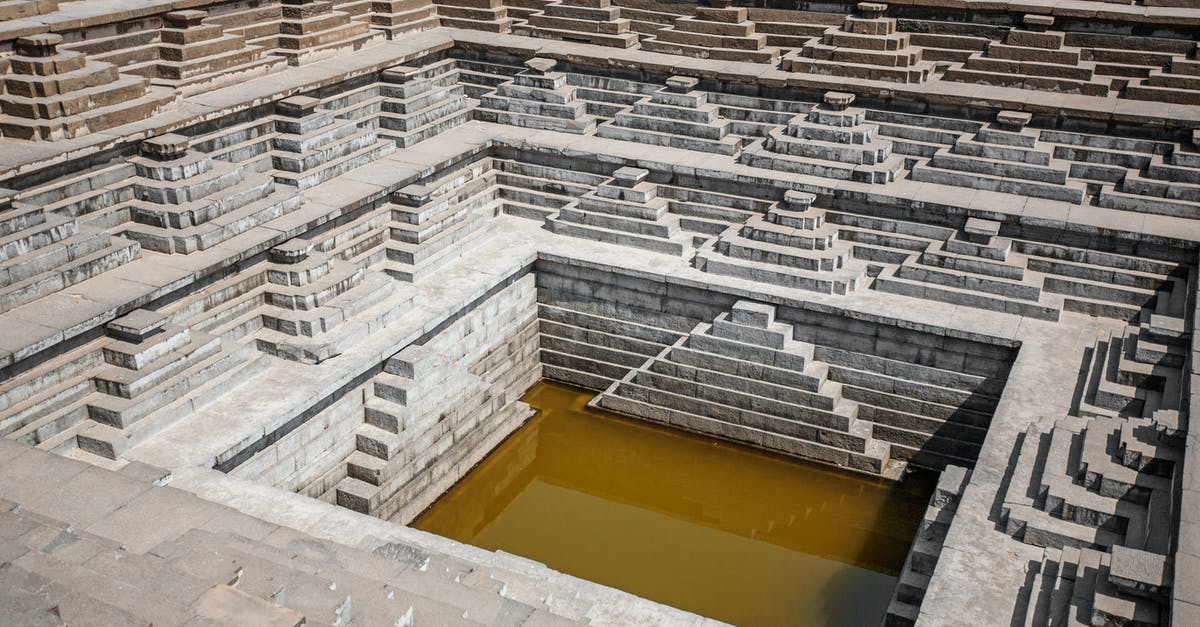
<point>714,528</point>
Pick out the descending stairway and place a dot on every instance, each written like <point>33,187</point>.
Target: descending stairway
<point>789,245</point>
<point>745,374</point>
<point>926,548</point>
<point>625,210</point>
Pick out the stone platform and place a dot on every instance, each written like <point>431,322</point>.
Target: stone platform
<point>300,259</point>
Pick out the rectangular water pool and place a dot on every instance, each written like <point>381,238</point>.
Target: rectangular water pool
<point>711,527</point>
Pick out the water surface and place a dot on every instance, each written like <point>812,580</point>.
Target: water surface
<point>714,528</point>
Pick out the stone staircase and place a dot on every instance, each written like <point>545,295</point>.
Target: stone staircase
<point>309,296</point>
<point>745,375</point>
<point>678,116</point>
<point>1035,58</point>
<point>627,211</point>
<point>43,253</point>
<point>153,374</point>
<point>185,201</point>
<point>310,146</point>
<point>717,31</point>
<point>1176,82</point>
<point>311,30</point>
<point>973,267</point>
<point>395,18</point>
<point>193,55</point>
<point>1082,586</point>
<point>1092,483</point>
<point>419,103</point>
<point>833,141</point>
<point>790,245</point>
<point>1003,157</point>
<point>52,94</point>
<point>865,47</point>
<point>537,97</point>
<point>922,559</point>
<point>485,15</point>
<point>439,221</point>
<point>594,21</point>
<point>1165,185</point>
<point>437,409</point>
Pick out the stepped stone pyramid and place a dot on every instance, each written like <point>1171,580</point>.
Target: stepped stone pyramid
<point>394,18</point>
<point>744,374</point>
<point>1004,156</point>
<point>193,55</point>
<point>717,31</point>
<point>624,210</point>
<point>1178,82</point>
<point>421,102</point>
<point>311,146</point>
<point>55,94</point>
<point>1032,57</point>
<point>538,97</point>
<point>42,253</point>
<point>485,15</point>
<point>833,140</point>
<point>976,267</point>
<point>865,46</point>
<point>153,374</point>
<point>678,116</point>
<point>437,222</point>
<point>186,201</point>
<point>593,21</point>
<point>790,245</point>
<point>313,30</point>
<point>308,297</point>
<point>1167,185</point>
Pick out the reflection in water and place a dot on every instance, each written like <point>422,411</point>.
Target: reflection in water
<point>710,527</point>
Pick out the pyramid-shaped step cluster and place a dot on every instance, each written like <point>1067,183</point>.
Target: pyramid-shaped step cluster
<point>743,377</point>
<point>185,201</point>
<point>791,245</point>
<point>537,97</point>
<point>717,31</point>
<point>394,18</point>
<point>311,146</point>
<point>53,94</point>
<point>976,268</point>
<point>1167,185</point>
<point>678,116</point>
<point>419,103</point>
<point>926,548</point>
<point>485,15</point>
<point>1032,57</point>
<point>866,46</point>
<point>310,297</point>
<point>833,140</point>
<point>312,30</point>
<point>1178,81</point>
<point>154,373</point>
<point>192,55</point>
<point>1137,371</point>
<point>44,254</point>
<point>1003,157</point>
<point>594,21</point>
<point>627,211</point>
<point>437,222</point>
<point>1092,483</point>
<point>1091,587</point>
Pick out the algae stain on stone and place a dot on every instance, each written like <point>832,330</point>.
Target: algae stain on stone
<point>714,528</point>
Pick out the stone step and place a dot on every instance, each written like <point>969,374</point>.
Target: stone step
<point>646,131</point>
<point>676,245</point>
<point>894,284</point>
<point>129,383</point>
<point>94,255</point>
<point>1071,191</point>
<point>231,224</point>
<point>839,281</point>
